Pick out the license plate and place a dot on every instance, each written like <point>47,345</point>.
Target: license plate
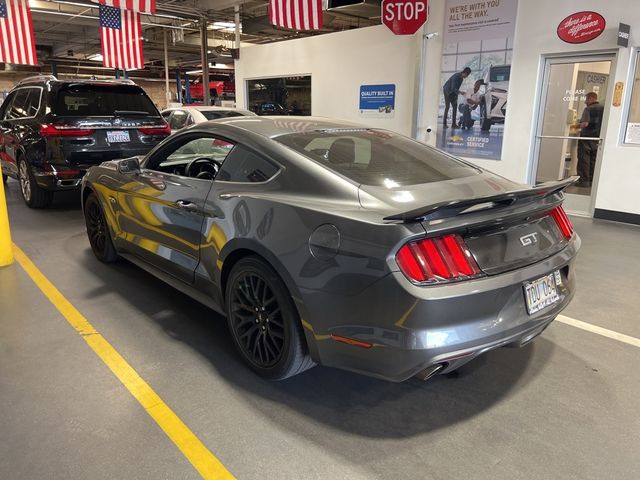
<point>118,136</point>
<point>542,292</point>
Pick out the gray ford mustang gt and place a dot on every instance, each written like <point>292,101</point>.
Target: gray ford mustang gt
<point>328,242</point>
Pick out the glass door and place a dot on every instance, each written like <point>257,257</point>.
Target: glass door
<point>570,128</point>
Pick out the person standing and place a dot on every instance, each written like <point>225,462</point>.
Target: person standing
<point>590,125</point>
<point>451,89</point>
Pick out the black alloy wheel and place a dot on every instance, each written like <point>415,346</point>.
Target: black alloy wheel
<point>263,321</point>
<point>98,231</point>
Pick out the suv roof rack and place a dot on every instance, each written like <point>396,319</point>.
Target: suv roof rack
<point>125,81</point>
<point>37,78</point>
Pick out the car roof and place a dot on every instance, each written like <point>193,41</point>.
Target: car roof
<point>276,125</point>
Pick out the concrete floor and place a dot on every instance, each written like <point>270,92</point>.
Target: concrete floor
<point>566,406</point>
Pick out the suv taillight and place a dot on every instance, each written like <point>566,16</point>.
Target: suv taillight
<point>51,130</point>
<point>436,260</point>
<point>156,130</point>
<point>561,218</point>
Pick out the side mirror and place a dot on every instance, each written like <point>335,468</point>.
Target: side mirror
<point>129,165</point>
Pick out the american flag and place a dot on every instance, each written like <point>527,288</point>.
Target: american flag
<point>296,14</point>
<point>142,6</point>
<point>17,44</point>
<point>121,38</point>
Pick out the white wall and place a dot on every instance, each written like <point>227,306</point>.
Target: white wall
<point>338,64</point>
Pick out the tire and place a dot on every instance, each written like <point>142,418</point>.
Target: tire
<point>263,321</point>
<point>32,194</point>
<point>98,231</point>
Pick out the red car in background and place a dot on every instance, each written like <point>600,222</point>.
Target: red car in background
<point>223,86</point>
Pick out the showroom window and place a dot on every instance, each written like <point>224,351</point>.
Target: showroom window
<point>280,96</point>
<point>632,128</point>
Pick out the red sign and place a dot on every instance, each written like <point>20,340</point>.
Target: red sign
<point>581,27</point>
<point>404,17</point>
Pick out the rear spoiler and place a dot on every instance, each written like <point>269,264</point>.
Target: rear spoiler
<point>455,207</point>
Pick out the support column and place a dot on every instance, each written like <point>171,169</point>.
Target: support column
<point>236,11</point>
<point>167,95</point>
<point>178,86</point>
<point>204,45</point>
<point>187,89</point>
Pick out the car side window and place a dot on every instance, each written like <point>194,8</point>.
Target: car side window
<point>4,109</point>
<point>20,106</point>
<point>242,165</point>
<point>190,156</point>
<point>33,102</point>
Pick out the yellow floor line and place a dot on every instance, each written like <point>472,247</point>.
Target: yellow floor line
<point>605,332</point>
<point>200,457</point>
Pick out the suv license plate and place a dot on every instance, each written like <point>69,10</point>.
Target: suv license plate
<point>118,136</point>
<point>542,292</point>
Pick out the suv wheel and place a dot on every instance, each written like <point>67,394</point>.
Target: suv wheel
<point>34,196</point>
<point>264,322</point>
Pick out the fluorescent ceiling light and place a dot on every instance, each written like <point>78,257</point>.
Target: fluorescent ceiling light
<point>97,57</point>
<point>224,26</point>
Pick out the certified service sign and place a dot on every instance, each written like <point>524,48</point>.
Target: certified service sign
<point>581,27</point>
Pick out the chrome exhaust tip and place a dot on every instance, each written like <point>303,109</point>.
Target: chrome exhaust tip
<point>429,372</point>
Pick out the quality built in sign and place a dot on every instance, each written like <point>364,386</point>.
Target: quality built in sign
<point>404,17</point>
<point>378,100</point>
<point>581,27</point>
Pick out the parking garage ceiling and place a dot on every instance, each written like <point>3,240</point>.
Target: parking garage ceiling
<point>67,32</point>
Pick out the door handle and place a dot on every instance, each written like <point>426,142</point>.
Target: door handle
<point>186,205</point>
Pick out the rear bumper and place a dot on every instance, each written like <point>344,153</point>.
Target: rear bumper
<point>55,176</point>
<point>412,328</point>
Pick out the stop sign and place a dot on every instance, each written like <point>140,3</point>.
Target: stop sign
<point>404,17</point>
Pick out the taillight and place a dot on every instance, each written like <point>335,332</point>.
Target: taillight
<point>156,130</point>
<point>433,260</point>
<point>51,130</point>
<point>561,218</point>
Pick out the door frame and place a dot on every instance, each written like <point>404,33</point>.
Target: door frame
<point>542,89</point>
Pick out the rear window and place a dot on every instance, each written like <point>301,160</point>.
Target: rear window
<point>377,157</point>
<point>103,101</point>
<point>215,114</point>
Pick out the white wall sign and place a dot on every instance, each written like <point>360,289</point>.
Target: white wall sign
<point>633,133</point>
<point>467,20</point>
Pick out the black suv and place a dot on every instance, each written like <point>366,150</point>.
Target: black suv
<point>52,130</point>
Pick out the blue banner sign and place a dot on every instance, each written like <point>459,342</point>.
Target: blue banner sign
<point>378,100</point>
